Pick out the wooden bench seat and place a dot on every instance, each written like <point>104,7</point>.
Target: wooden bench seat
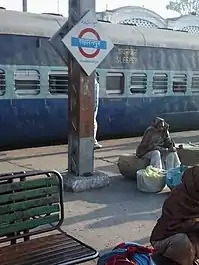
<point>52,249</point>
<point>31,215</point>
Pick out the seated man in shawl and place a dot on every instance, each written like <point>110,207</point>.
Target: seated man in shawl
<point>158,147</point>
<point>176,234</point>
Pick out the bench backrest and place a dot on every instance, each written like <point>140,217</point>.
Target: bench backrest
<point>28,201</point>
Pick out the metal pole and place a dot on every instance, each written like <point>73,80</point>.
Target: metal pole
<point>25,6</point>
<point>80,102</point>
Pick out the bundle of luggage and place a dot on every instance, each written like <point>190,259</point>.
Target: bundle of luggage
<point>154,180</point>
<point>127,253</point>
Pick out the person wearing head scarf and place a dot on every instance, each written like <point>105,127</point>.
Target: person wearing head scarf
<point>158,147</point>
<point>176,234</point>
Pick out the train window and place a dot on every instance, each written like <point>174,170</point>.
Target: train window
<point>138,83</point>
<point>160,83</point>
<point>58,82</point>
<point>27,82</point>
<point>179,83</point>
<point>195,83</point>
<point>115,83</point>
<point>2,82</point>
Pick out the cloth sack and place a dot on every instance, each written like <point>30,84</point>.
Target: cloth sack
<point>151,179</point>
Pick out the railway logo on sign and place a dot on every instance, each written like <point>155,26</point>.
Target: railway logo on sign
<point>96,43</point>
<point>87,42</point>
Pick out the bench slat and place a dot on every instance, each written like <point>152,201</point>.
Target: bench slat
<point>52,249</point>
<point>19,216</point>
<point>21,206</point>
<point>28,224</point>
<point>29,194</point>
<point>28,184</point>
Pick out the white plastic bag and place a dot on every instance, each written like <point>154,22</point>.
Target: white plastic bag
<point>151,179</point>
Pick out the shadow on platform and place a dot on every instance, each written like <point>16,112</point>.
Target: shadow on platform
<point>123,203</point>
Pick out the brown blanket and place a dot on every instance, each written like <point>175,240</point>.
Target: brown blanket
<point>180,211</point>
<point>152,138</point>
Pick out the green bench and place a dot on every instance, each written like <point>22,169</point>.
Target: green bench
<point>31,215</point>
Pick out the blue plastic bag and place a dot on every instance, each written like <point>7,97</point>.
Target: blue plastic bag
<point>174,175</point>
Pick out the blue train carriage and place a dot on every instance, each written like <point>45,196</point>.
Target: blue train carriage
<point>149,72</point>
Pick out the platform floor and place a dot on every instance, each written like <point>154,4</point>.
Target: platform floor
<point>107,216</point>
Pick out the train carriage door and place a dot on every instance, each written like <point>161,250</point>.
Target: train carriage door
<point>114,103</point>
<point>26,103</point>
<point>57,102</point>
<point>6,117</point>
<point>137,112</point>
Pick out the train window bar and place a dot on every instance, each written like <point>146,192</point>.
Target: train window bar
<point>138,83</point>
<point>195,84</point>
<point>179,83</point>
<point>115,83</point>
<point>27,82</point>
<point>2,82</point>
<point>58,82</point>
<point>160,83</point>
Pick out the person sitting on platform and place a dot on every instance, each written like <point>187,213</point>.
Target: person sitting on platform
<point>96,105</point>
<point>176,233</point>
<point>158,147</point>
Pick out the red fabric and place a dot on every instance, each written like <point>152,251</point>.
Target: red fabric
<point>137,249</point>
<point>126,257</point>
